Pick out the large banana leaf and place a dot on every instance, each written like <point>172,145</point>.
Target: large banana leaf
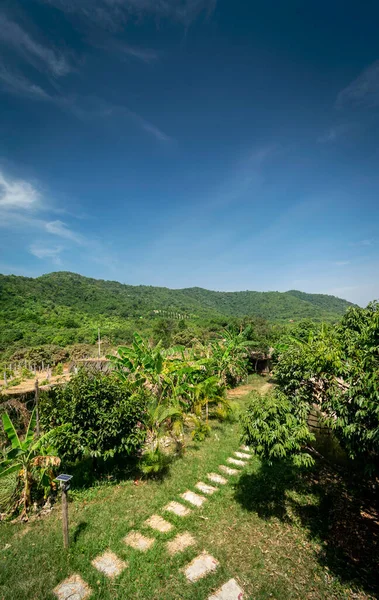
<point>30,431</point>
<point>9,470</point>
<point>10,431</point>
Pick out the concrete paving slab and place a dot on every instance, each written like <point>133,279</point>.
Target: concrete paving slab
<point>109,564</point>
<point>159,523</point>
<point>229,591</point>
<point>235,461</point>
<point>245,448</point>
<point>193,498</point>
<point>205,488</point>
<point>180,543</point>
<point>242,455</point>
<point>228,470</point>
<point>177,509</point>
<point>136,540</point>
<point>217,478</point>
<point>73,588</point>
<point>201,566</point>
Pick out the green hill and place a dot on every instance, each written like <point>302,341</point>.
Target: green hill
<point>65,308</point>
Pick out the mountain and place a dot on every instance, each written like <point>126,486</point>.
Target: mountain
<point>64,308</point>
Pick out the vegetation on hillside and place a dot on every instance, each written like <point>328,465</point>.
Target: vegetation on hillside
<point>64,310</point>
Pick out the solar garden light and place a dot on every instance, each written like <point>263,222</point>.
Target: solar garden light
<point>64,481</point>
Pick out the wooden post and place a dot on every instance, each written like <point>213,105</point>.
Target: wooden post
<point>99,342</point>
<point>5,379</point>
<point>65,515</point>
<point>36,394</point>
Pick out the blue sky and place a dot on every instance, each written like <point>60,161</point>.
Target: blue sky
<point>228,145</point>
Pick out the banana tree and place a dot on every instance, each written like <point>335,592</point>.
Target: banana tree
<point>27,457</point>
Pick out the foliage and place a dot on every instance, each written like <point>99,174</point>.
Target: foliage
<point>102,417</point>
<point>154,462</point>
<point>276,428</point>
<point>30,458</point>
<point>42,319</point>
<point>338,369</point>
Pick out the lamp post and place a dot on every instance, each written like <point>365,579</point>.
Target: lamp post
<point>64,481</point>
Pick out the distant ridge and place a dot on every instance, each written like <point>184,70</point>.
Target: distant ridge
<point>110,298</point>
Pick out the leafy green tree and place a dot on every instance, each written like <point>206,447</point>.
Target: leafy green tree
<point>103,418</point>
<point>277,429</point>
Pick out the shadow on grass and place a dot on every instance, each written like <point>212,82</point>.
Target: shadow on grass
<point>79,529</point>
<point>335,510</point>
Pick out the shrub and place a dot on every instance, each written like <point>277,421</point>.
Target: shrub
<point>276,428</point>
<point>102,417</point>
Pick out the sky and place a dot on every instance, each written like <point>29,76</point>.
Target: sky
<point>179,143</point>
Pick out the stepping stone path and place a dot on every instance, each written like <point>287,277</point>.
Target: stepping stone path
<point>193,498</point>
<point>242,455</point>
<point>205,488</point>
<point>158,523</point>
<point>180,543</point>
<point>201,566</point>
<point>229,470</point>
<point>72,588</point>
<point>138,541</point>
<point>177,509</point>
<point>245,448</point>
<point>109,564</point>
<point>217,478</point>
<point>235,461</point>
<point>229,591</point>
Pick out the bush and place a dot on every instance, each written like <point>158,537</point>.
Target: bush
<point>103,418</point>
<point>276,429</point>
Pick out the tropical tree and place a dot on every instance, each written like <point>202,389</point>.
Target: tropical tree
<point>30,458</point>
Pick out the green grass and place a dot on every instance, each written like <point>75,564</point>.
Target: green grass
<point>264,527</point>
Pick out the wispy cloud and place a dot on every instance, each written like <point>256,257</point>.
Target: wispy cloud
<point>62,230</point>
<point>362,91</point>
<point>40,56</point>
<point>44,252</point>
<point>365,243</point>
<point>17,84</point>
<point>113,14</point>
<point>17,194</point>
<point>341,263</point>
<point>335,133</point>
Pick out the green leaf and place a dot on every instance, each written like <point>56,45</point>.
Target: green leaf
<point>10,431</point>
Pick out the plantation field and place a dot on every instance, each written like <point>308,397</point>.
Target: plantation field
<point>273,530</point>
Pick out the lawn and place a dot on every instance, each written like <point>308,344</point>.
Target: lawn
<point>269,528</point>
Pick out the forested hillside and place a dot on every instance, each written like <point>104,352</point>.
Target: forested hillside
<point>65,308</point>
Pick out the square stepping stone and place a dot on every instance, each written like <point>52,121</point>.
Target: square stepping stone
<point>242,455</point>
<point>229,591</point>
<point>205,488</point>
<point>109,564</point>
<point>158,523</point>
<point>201,566</point>
<point>72,588</point>
<point>180,543</point>
<point>193,498</point>
<point>245,448</point>
<point>217,478</point>
<point>136,540</point>
<point>235,461</point>
<point>177,509</point>
<point>228,470</point>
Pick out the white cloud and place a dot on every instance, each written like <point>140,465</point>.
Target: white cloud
<point>341,263</point>
<point>17,194</point>
<point>113,14</point>
<point>335,133</point>
<point>363,91</point>
<point>16,83</point>
<point>37,54</point>
<point>46,252</point>
<point>62,230</point>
